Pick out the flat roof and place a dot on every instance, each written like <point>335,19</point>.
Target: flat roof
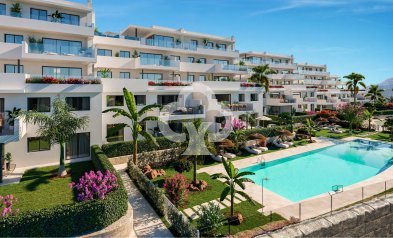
<point>181,31</point>
<point>77,7</point>
<point>312,65</point>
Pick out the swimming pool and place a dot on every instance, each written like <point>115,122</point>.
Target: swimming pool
<point>313,173</point>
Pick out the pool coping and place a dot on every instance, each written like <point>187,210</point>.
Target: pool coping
<point>316,205</point>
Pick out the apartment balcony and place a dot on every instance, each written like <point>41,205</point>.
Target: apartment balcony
<point>197,67</point>
<point>10,51</point>
<point>45,24</point>
<point>241,107</point>
<point>280,101</point>
<point>10,133</point>
<point>286,76</point>
<point>314,73</point>
<point>178,112</point>
<point>237,69</point>
<point>273,65</point>
<point>158,64</point>
<point>115,62</point>
<point>310,100</point>
<point>46,52</point>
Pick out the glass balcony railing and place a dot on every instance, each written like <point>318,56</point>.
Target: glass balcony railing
<point>159,62</point>
<point>235,68</point>
<point>67,21</point>
<point>39,48</point>
<point>169,44</point>
<point>117,36</point>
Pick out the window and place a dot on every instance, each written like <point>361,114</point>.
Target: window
<point>221,78</point>
<point>166,99</point>
<point>38,104</point>
<point>242,98</point>
<point>78,146</point>
<point>253,97</point>
<point>125,54</point>
<point>222,47</point>
<point>38,14</point>
<point>36,144</point>
<point>163,41</point>
<point>151,76</point>
<point>104,75</point>
<point>16,39</point>
<point>190,78</point>
<point>104,52</point>
<point>191,59</point>
<point>114,136</point>
<point>202,77</point>
<point>194,44</point>
<point>175,57</point>
<point>2,9</point>
<point>210,45</point>
<point>62,72</point>
<point>222,62</point>
<point>114,100</point>
<point>202,60</point>
<point>148,59</point>
<point>70,19</point>
<point>61,47</point>
<point>79,103</point>
<point>125,75</point>
<point>140,100</point>
<point>13,69</point>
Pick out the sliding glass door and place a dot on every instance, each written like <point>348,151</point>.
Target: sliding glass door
<point>78,146</point>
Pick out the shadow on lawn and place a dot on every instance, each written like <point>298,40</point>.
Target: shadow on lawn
<point>35,177</point>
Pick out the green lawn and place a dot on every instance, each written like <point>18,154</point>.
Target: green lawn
<point>38,189</point>
<point>252,218</point>
<point>327,133</point>
<point>383,136</point>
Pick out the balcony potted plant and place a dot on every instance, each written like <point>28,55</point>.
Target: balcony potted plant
<point>8,159</point>
<point>12,115</point>
<point>56,16</point>
<point>178,41</point>
<point>16,10</point>
<point>205,41</point>
<point>105,72</point>
<point>135,54</point>
<point>117,54</point>
<point>199,61</point>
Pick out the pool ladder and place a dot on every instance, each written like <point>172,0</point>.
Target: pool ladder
<point>337,188</point>
<point>261,161</point>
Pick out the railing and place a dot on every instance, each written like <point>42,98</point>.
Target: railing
<point>241,107</point>
<point>260,62</point>
<point>169,44</point>
<point>40,48</point>
<point>46,18</point>
<point>235,68</point>
<point>5,128</point>
<point>310,99</point>
<point>313,72</point>
<point>159,62</point>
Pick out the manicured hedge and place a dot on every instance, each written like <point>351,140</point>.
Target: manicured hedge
<point>125,148</point>
<point>71,219</point>
<point>161,203</point>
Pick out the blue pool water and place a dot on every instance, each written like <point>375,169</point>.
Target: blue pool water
<point>312,173</point>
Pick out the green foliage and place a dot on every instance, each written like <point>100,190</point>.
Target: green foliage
<point>210,219</point>
<point>260,75</point>
<point>375,94</point>
<point>105,72</point>
<point>355,81</point>
<point>12,115</point>
<point>71,219</point>
<point>389,126</point>
<point>182,165</point>
<point>162,205</point>
<point>384,112</point>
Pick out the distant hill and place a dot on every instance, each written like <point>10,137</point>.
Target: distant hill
<point>387,85</point>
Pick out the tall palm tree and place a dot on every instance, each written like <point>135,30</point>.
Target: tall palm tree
<point>354,81</point>
<point>57,128</point>
<point>375,94</point>
<point>233,178</point>
<point>369,114</point>
<point>136,119</point>
<point>260,75</point>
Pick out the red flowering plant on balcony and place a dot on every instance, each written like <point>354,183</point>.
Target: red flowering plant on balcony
<point>168,84</point>
<point>94,185</point>
<point>277,86</point>
<point>54,80</point>
<point>250,85</point>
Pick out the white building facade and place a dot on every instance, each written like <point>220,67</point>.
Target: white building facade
<point>46,43</point>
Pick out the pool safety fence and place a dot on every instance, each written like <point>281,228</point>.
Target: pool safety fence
<point>336,199</point>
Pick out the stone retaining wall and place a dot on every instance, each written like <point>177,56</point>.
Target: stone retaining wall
<point>124,227</point>
<point>161,157</point>
<point>369,219</point>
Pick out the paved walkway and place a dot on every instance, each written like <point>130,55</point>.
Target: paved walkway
<point>146,221</point>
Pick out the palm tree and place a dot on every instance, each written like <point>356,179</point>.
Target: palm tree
<point>57,128</point>
<point>389,126</point>
<point>260,75</point>
<point>136,119</point>
<point>353,83</point>
<point>310,128</point>
<point>375,94</point>
<point>232,179</point>
<point>369,114</point>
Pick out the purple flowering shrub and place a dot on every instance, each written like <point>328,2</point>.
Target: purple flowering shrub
<point>95,185</point>
<point>6,204</point>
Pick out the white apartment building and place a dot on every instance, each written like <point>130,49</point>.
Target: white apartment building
<point>55,41</point>
<point>299,86</point>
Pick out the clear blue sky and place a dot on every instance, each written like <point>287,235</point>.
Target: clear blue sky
<point>347,35</point>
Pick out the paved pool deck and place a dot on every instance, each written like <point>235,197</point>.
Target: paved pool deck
<point>313,206</point>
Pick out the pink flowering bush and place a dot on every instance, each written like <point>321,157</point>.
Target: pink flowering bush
<point>6,204</point>
<point>95,185</point>
<point>238,124</point>
<point>176,190</point>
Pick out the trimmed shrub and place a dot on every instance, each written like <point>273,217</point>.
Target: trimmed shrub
<point>182,165</point>
<point>125,148</point>
<point>72,219</point>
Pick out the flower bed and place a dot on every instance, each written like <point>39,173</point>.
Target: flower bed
<point>250,85</point>
<point>73,219</point>
<point>169,84</point>
<point>54,80</point>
